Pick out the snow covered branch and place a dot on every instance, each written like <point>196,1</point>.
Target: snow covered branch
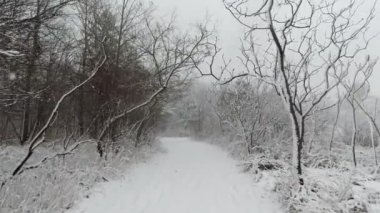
<point>38,139</point>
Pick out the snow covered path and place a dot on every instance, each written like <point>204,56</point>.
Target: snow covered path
<point>190,177</point>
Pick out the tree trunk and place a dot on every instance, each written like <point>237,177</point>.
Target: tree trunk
<point>354,134</point>
<point>26,122</point>
<point>251,143</point>
<point>5,129</point>
<point>373,141</point>
<point>311,140</point>
<point>80,112</point>
<point>120,33</point>
<point>371,125</point>
<point>335,125</point>
<point>139,133</point>
<point>19,167</point>
<point>31,69</point>
<point>298,141</point>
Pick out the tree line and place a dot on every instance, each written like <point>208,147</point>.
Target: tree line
<point>89,69</point>
<point>299,61</point>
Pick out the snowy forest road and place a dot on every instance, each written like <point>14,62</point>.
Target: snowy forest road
<point>188,177</point>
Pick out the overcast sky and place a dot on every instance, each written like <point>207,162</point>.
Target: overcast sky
<point>191,11</point>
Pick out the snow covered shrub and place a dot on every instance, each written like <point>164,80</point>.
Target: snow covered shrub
<point>57,183</point>
<point>262,163</point>
<point>334,190</point>
<point>321,161</point>
<point>364,136</point>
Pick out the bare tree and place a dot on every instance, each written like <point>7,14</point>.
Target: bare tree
<point>372,132</point>
<point>357,102</point>
<point>84,16</point>
<point>337,114</point>
<point>357,90</point>
<point>169,57</point>
<point>23,24</point>
<point>284,47</point>
<point>132,15</point>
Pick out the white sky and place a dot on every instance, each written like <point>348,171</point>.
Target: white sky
<point>192,11</point>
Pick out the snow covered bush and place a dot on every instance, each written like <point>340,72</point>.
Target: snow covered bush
<point>57,183</point>
<point>335,189</point>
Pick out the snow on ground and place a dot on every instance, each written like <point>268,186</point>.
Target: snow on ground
<point>371,192</point>
<point>188,177</point>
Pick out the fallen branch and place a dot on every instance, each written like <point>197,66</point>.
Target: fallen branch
<point>60,154</point>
